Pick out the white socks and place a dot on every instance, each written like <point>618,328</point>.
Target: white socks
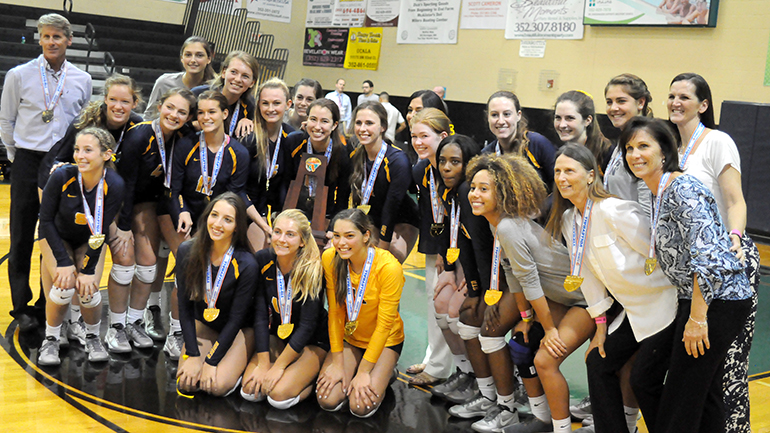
<point>632,413</point>
<point>93,329</point>
<point>74,313</point>
<point>462,363</point>
<point>133,315</point>
<point>540,408</point>
<point>52,331</point>
<point>117,318</point>
<point>487,387</point>
<point>507,401</point>
<point>562,425</point>
<point>174,324</point>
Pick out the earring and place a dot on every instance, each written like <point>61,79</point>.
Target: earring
<point>663,161</point>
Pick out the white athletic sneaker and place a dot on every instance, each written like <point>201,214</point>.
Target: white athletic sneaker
<point>135,333</point>
<point>49,352</point>
<point>116,339</point>
<point>581,410</point>
<point>497,418</point>
<point>474,408</point>
<point>76,331</point>
<point>456,380</point>
<point>153,323</point>
<point>95,349</point>
<point>173,346</point>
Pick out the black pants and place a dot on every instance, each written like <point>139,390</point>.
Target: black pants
<point>692,398</point>
<point>603,380</point>
<point>25,207</point>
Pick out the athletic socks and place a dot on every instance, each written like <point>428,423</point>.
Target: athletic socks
<point>174,324</point>
<point>117,318</point>
<point>154,299</point>
<point>133,315</point>
<point>52,331</point>
<point>487,387</point>
<point>74,313</point>
<point>93,329</point>
<point>562,425</point>
<point>506,401</point>
<point>462,363</point>
<point>540,408</point>
<point>632,413</point>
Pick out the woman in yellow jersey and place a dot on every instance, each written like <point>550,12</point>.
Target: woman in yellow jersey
<point>366,333</point>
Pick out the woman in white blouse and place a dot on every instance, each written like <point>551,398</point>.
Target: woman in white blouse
<point>609,256</point>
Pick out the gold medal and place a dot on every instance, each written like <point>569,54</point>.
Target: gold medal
<point>211,314</point>
<point>365,208</point>
<point>649,265</point>
<point>96,241</point>
<point>284,330</point>
<point>452,254</point>
<point>492,297</point>
<point>47,116</point>
<point>572,282</point>
<point>350,327</point>
<point>436,229</point>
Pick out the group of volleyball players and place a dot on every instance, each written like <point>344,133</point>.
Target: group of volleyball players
<point>637,245</point>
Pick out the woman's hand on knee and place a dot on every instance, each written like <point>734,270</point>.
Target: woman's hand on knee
<point>492,317</point>
<point>271,378</point>
<point>123,241</point>
<point>208,378</point>
<point>65,277</point>
<point>86,285</point>
<point>329,378</point>
<point>553,343</point>
<point>361,390</point>
<point>189,373</point>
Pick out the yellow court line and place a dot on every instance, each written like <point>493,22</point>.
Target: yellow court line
<point>419,277</point>
<point>762,383</point>
<point>107,403</point>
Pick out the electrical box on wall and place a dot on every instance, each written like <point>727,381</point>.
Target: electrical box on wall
<point>549,80</point>
<point>506,79</point>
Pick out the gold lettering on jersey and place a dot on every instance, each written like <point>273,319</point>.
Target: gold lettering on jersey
<point>80,219</point>
<point>199,186</point>
<point>158,172</point>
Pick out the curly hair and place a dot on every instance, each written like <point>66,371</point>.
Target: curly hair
<point>519,191</point>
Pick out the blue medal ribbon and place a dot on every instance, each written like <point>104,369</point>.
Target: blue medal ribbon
<point>691,144</point>
<point>210,181</point>
<point>369,180</point>
<point>579,239</point>
<point>454,224</point>
<point>162,151</point>
<point>656,213</point>
<point>435,203</point>
<point>50,102</point>
<point>284,296</point>
<point>212,292</point>
<point>354,308</point>
<point>234,120</point>
<point>271,169</point>
<point>95,220</point>
<point>614,162</point>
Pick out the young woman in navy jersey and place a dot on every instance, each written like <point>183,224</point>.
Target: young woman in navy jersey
<point>461,276</point>
<point>574,119</point>
<point>417,101</point>
<point>196,56</point>
<point>79,203</point>
<point>428,127</point>
<point>145,165</point>
<point>269,165</point>
<point>512,136</point>
<point>304,93</point>
<point>236,81</point>
<point>379,182</point>
<point>321,136</point>
<point>113,113</point>
<point>291,323</point>
<point>215,276</point>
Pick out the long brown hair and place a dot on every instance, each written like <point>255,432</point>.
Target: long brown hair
<point>635,87</point>
<point>358,157</point>
<point>307,271</point>
<point>596,191</point>
<point>198,260</point>
<point>596,142</point>
<point>521,140</point>
<point>335,137</point>
<point>95,113</point>
<point>208,72</point>
<point>340,267</point>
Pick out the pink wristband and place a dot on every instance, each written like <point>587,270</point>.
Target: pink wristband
<point>527,314</point>
<point>737,232</point>
<point>599,320</point>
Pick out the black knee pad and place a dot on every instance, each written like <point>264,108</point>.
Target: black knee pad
<point>523,354</point>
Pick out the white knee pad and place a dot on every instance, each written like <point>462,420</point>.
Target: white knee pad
<point>163,249</point>
<point>91,301</point>
<point>122,274</point>
<point>232,390</point>
<point>61,296</point>
<point>338,407</point>
<point>491,344</point>
<point>251,397</point>
<point>145,274</point>
<point>283,404</point>
<point>453,323</point>
<point>441,320</point>
<point>467,332</point>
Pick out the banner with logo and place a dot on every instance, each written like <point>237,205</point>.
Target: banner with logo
<point>483,14</point>
<point>652,12</point>
<point>428,21</point>
<point>363,51</point>
<point>349,13</point>
<point>325,47</point>
<point>544,19</point>
<point>382,13</point>
<point>319,13</point>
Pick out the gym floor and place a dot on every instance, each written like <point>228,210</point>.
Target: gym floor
<point>136,392</point>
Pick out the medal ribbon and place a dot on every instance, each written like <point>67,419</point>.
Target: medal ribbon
<point>614,162</point>
<point>353,309</point>
<point>454,225</point>
<point>327,152</point>
<point>95,220</point>
<point>212,293</point>
<point>691,144</point>
<point>120,140</point>
<point>494,280</point>
<point>498,151</point>
<point>162,150</point>
<point>271,168</point>
<point>435,203</point>
<point>656,213</point>
<point>369,182</point>
<point>284,296</point>
<point>209,182</point>
<point>50,103</point>
<point>234,120</point>
<point>579,241</point>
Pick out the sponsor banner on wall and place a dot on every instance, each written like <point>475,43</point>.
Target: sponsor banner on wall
<point>428,21</point>
<point>325,47</point>
<point>349,13</point>
<point>270,10</point>
<point>483,14</point>
<point>363,51</point>
<point>650,12</point>
<point>319,13</point>
<point>544,19</point>
<point>382,13</point>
